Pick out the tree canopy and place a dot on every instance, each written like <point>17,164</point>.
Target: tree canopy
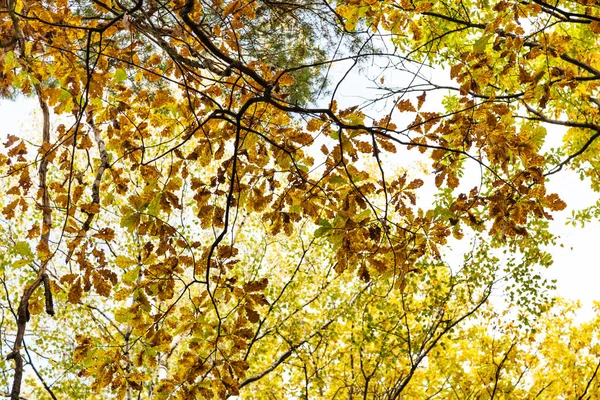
<point>294,199</point>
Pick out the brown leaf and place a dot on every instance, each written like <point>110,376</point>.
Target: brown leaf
<point>75,292</point>
<point>12,139</point>
<point>90,208</point>
<point>252,315</point>
<point>256,286</point>
<point>105,234</point>
<point>421,100</point>
<point>406,105</point>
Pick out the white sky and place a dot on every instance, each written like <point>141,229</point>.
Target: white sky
<point>576,265</point>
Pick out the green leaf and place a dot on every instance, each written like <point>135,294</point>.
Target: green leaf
<point>130,221</point>
<point>9,62</point>
<point>322,231</point>
<point>481,43</point>
<point>539,134</point>
<point>64,95</point>
<point>120,75</point>
<point>132,275</point>
<point>23,249</point>
<point>338,180</point>
<point>324,223</point>
<point>21,263</point>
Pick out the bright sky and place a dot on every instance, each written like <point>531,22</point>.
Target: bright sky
<point>577,264</point>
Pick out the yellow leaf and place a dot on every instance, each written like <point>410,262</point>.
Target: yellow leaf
<point>80,352</point>
<point>231,8</point>
<point>314,125</point>
<point>422,7</point>
<point>43,251</point>
<point>285,80</point>
<point>124,262</point>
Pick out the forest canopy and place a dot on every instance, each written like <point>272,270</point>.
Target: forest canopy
<point>263,199</point>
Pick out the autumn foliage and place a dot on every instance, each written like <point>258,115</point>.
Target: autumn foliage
<point>293,199</point>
